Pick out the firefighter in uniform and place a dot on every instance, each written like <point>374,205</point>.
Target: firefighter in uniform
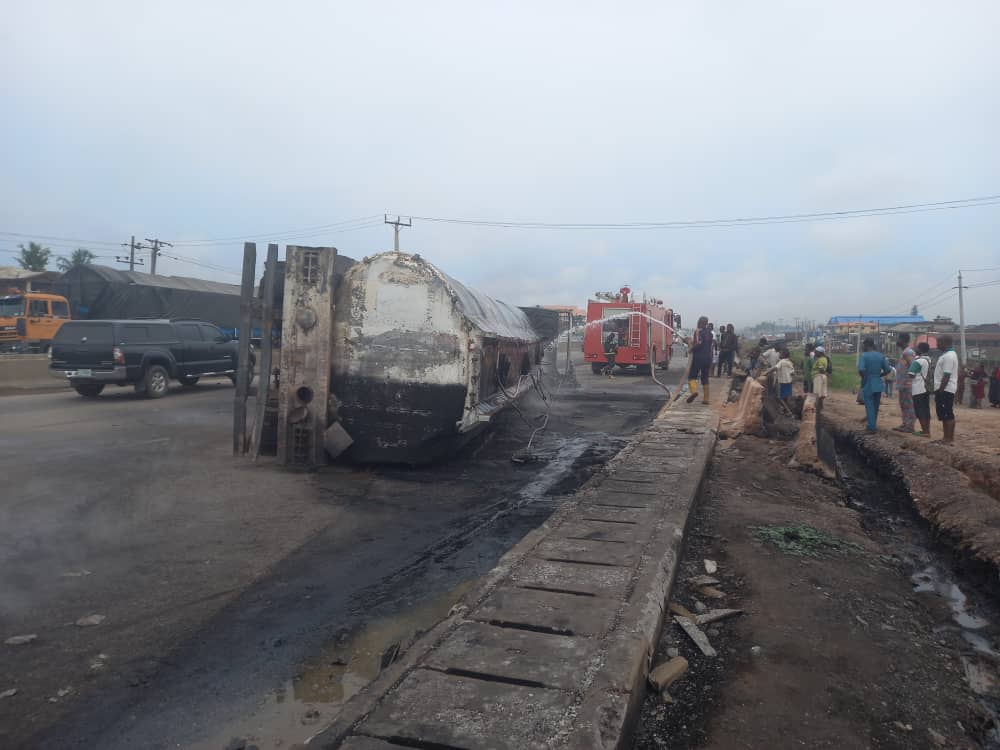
<point>610,350</point>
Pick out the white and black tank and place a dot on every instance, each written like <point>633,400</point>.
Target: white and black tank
<point>421,362</point>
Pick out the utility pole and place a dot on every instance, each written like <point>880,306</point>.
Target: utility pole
<point>396,226</point>
<point>961,320</point>
<point>132,247</point>
<point>154,250</point>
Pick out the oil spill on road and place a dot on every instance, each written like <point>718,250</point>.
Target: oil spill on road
<point>296,710</point>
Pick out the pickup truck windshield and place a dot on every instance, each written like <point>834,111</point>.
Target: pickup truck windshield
<point>11,307</point>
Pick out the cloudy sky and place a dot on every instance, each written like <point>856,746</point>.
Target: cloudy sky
<point>202,120</point>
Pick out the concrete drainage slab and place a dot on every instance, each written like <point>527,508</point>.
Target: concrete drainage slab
<point>552,649</point>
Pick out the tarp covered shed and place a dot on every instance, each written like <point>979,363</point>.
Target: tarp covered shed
<point>99,292</point>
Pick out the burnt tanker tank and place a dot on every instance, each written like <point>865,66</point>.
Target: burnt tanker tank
<point>421,362</point>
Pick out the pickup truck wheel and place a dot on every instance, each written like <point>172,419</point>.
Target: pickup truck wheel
<point>155,382</point>
<point>188,380</point>
<point>89,390</point>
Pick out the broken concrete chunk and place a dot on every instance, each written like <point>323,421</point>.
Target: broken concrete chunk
<point>90,620</point>
<point>666,697</point>
<point>710,592</point>
<point>711,567</point>
<point>664,675</point>
<point>677,609</point>
<point>9,693</point>
<point>699,606</point>
<point>699,638</point>
<point>714,615</point>
<point>703,581</point>
<point>20,640</point>
<point>902,726</point>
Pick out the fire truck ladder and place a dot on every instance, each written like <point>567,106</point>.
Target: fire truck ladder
<point>635,326</point>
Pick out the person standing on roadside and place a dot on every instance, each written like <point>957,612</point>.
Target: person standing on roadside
<point>921,385</point>
<point>904,385</point>
<point>821,371</point>
<point>715,347</point>
<point>945,385</point>
<point>808,359</point>
<point>727,351</point>
<point>872,367</point>
<point>753,356</point>
<point>785,370</point>
<point>995,388</point>
<point>769,360</point>
<point>701,360</point>
<point>977,383</point>
<point>735,351</point>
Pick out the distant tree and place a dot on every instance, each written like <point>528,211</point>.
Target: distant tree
<point>80,257</point>
<point>34,257</point>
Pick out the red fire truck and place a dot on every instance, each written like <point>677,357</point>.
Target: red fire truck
<point>641,340</point>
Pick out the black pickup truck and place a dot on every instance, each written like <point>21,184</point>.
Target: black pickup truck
<point>142,353</point>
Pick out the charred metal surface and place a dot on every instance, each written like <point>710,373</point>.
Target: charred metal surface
<point>545,322</point>
<point>420,361</point>
<point>389,421</point>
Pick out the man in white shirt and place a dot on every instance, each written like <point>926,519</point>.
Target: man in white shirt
<point>771,357</point>
<point>945,386</point>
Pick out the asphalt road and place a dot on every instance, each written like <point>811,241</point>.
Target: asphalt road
<point>242,600</point>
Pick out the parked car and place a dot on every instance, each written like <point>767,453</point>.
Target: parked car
<point>143,353</point>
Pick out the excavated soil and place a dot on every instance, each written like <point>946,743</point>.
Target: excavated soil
<point>956,488</point>
<point>878,638</point>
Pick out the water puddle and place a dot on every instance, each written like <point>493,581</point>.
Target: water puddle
<point>303,705</point>
<point>933,580</point>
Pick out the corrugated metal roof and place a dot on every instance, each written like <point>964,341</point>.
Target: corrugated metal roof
<point>882,319</point>
<point>13,272</point>
<point>115,275</point>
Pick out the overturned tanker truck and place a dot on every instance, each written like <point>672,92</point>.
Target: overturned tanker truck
<point>419,363</point>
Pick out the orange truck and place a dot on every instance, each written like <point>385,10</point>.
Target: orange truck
<point>29,321</point>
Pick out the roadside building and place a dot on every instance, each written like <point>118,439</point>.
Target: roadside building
<point>15,280</point>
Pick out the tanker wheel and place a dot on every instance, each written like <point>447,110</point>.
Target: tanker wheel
<point>596,367</point>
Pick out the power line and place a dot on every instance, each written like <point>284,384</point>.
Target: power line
<point>265,235</point>
<point>348,225</point>
<point>983,283</point>
<point>944,280</point>
<point>946,294</point>
<point>986,200</point>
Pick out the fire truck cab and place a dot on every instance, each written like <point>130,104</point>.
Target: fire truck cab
<point>640,330</point>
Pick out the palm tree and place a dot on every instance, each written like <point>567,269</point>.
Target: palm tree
<point>80,257</point>
<point>34,257</point>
